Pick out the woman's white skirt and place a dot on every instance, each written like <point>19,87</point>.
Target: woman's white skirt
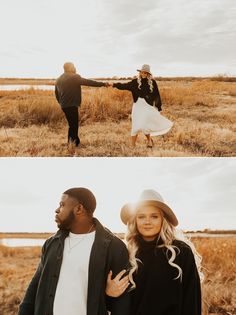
<point>147,119</point>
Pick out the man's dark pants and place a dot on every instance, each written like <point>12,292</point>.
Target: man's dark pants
<point>72,116</point>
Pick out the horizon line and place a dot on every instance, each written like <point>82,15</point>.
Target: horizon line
<point>115,77</point>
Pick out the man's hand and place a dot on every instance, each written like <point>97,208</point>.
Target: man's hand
<point>117,286</point>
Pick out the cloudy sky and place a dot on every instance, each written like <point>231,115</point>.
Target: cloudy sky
<point>114,38</point>
<point>200,191</point>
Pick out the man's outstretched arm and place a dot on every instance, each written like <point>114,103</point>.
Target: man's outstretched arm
<point>88,82</point>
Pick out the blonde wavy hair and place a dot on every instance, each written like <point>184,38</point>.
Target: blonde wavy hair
<point>167,234</point>
<point>149,78</point>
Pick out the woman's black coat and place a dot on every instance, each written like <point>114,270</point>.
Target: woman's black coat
<point>157,292</point>
<point>152,98</point>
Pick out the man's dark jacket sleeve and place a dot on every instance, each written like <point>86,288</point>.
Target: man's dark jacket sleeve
<point>119,261</point>
<point>88,82</point>
<point>56,94</point>
<point>27,305</point>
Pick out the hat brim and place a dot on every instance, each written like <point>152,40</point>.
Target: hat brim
<point>144,71</point>
<point>129,210</point>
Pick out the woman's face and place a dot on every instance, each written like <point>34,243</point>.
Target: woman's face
<point>144,74</point>
<point>149,222</point>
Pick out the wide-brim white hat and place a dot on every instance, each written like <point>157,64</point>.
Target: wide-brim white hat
<point>145,68</point>
<point>148,197</point>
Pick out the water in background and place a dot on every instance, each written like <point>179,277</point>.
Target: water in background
<point>11,87</point>
<point>20,242</point>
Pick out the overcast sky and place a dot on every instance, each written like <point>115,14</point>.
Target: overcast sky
<point>114,38</point>
<point>200,191</point>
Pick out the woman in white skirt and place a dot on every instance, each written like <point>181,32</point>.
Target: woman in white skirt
<point>146,109</point>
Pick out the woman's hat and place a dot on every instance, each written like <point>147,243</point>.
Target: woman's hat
<point>145,68</point>
<point>148,197</point>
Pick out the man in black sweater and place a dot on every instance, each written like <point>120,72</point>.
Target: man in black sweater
<point>68,95</point>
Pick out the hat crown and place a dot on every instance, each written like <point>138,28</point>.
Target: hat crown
<point>149,194</point>
<point>146,68</point>
<point>148,197</point>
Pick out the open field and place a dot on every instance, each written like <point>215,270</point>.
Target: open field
<point>35,235</point>
<point>203,112</point>
<point>24,235</point>
<point>17,266</point>
<point>29,81</point>
<point>37,81</point>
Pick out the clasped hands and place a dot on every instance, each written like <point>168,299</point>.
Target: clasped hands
<point>108,84</point>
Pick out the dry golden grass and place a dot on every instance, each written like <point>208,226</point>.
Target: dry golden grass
<point>30,81</point>
<point>17,266</point>
<point>219,267</point>
<point>24,235</point>
<point>204,113</point>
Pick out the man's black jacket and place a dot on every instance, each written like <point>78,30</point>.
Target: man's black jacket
<point>107,253</point>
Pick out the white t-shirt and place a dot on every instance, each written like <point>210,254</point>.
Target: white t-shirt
<point>72,287</point>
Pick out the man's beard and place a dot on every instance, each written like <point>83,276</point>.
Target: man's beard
<point>66,223</point>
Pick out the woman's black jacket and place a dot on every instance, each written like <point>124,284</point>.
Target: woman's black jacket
<point>152,98</point>
<point>157,291</point>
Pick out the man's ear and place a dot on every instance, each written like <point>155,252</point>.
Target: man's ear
<point>79,209</point>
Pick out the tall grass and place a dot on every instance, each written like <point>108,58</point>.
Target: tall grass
<point>33,107</point>
<point>17,266</point>
<point>219,267</point>
<point>36,107</point>
<point>203,113</point>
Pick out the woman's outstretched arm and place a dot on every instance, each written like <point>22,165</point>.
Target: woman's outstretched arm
<point>125,86</point>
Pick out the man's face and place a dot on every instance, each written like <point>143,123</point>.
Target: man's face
<point>64,213</point>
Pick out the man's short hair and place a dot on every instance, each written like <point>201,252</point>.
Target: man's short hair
<point>69,67</point>
<point>84,196</point>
